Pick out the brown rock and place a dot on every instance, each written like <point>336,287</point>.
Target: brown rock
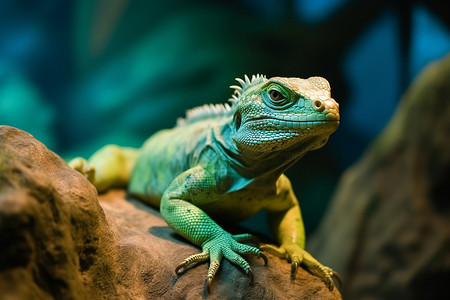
<point>151,251</point>
<point>58,241</point>
<point>53,234</point>
<point>388,229</point>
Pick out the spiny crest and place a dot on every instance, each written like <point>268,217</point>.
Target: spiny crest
<point>245,84</point>
<point>204,112</point>
<point>213,110</point>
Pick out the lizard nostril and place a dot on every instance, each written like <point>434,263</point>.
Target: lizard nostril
<point>318,105</point>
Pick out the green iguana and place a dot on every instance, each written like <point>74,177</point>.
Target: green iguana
<point>226,162</point>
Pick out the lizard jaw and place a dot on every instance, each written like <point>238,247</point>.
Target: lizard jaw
<point>301,127</point>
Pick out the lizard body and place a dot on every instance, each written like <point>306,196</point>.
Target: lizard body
<point>226,163</point>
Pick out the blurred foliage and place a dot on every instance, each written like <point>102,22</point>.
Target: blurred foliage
<point>18,96</point>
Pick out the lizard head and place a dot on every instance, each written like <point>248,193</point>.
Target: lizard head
<point>280,114</point>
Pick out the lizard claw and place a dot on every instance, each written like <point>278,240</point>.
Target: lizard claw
<point>250,276</point>
<point>208,284</point>
<point>294,267</point>
<point>336,275</point>
<point>264,257</point>
<point>180,266</point>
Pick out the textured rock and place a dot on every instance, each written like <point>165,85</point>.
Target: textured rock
<point>59,240</point>
<point>151,251</point>
<point>388,229</point>
<point>54,238</point>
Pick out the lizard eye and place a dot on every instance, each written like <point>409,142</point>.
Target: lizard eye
<point>276,96</point>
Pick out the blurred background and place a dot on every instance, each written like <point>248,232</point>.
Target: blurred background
<point>81,74</point>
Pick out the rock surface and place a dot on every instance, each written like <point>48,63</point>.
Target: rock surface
<point>388,229</point>
<point>59,240</point>
<point>54,239</point>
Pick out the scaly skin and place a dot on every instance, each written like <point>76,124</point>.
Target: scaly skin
<point>226,163</point>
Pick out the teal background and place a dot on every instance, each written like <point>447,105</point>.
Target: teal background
<point>81,74</point>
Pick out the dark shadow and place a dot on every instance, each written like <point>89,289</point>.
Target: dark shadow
<point>141,205</point>
<point>167,233</point>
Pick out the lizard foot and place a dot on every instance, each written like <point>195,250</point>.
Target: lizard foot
<point>224,245</point>
<point>81,165</point>
<point>297,256</point>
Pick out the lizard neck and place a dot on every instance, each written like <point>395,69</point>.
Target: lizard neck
<point>256,165</point>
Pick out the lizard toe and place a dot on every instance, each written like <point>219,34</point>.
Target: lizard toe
<point>236,259</point>
<point>213,267</point>
<point>246,249</point>
<point>196,258</point>
<point>319,270</point>
<point>82,166</point>
<point>274,250</point>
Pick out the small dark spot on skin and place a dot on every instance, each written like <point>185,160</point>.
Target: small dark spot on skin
<point>238,120</point>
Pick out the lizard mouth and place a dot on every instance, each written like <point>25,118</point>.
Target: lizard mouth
<point>266,123</point>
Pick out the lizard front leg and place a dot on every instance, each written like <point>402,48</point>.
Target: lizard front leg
<point>179,208</point>
<point>286,223</point>
<point>110,166</point>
